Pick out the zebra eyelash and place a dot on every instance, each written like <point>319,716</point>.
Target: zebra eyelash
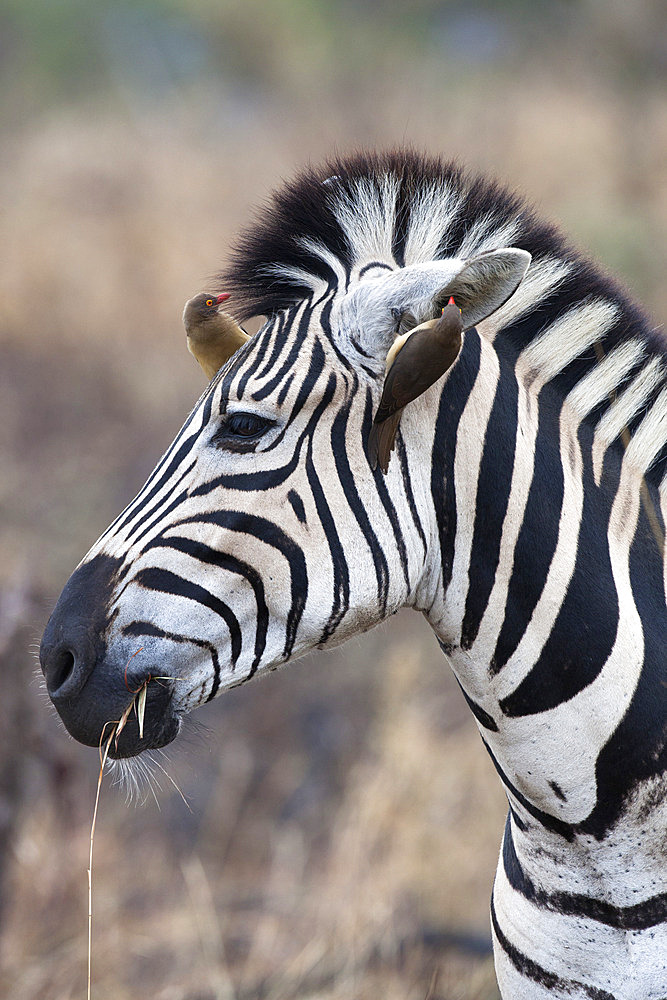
<point>241,431</point>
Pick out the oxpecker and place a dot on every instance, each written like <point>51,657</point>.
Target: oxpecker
<point>415,361</point>
<point>213,336</point>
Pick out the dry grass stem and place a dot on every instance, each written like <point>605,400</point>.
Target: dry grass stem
<point>141,708</point>
<point>116,728</point>
<point>103,759</point>
<point>138,702</point>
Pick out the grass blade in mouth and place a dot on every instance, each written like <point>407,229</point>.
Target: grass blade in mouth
<point>104,752</point>
<point>141,708</point>
<point>138,703</point>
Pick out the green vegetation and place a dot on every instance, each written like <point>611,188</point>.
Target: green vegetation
<point>69,50</point>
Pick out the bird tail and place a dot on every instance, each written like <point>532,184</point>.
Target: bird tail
<point>381,441</point>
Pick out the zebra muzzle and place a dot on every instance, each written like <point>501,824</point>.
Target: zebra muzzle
<point>92,688</point>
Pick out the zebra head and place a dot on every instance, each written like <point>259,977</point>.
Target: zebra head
<point>263,531</point>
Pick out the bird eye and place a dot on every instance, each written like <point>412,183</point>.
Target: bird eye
<point>209,302</point>
<point>241,431</point>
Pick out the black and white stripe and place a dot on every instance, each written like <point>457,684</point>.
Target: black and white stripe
<point>524,512</point>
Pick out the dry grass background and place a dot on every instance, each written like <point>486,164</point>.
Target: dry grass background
<point>344,819</point>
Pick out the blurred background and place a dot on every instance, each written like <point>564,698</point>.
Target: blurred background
<point>343,820</point>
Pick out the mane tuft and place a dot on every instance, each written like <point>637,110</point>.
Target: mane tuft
<point>274,265</point>
<point>401,207</point>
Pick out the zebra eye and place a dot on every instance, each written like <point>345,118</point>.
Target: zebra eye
<point>241,430</point>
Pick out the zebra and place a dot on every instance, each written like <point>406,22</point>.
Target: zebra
<point>523,513</point>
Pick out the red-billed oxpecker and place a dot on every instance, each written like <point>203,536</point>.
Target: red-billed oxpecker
<point>213,336</point>
<point>415,361</point>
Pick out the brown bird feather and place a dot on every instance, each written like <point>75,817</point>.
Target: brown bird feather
<point>212,336</point>
<point>414,362</point>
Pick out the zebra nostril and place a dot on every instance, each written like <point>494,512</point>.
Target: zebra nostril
<point>67,666</point>
<point>60,669</point>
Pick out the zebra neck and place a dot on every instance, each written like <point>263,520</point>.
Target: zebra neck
<point>535,545</point>
<point>607,897</point>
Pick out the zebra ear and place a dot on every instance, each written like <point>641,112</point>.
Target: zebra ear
<point>487,281</point>
<point>375,311</point>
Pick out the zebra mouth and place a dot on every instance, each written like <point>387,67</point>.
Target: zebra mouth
<point>132,716</point>
<point>131,741</point>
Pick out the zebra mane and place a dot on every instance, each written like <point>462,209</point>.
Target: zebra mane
<point>403,208</point>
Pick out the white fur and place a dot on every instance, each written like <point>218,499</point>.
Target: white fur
<point>367,218</point>
<point>568,338</point>
<point>436,207</point>
<point>522,477</point>
<point>649,438</point>
<point>543,277</point>
<point>602,381</point>
<point>622,411</point>
<point>485,235</point>
<point>320,250</point>
<point>470,446</point>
